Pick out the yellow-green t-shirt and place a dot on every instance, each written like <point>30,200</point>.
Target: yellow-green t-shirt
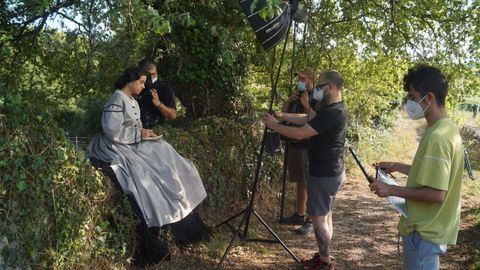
<point>438,164</point>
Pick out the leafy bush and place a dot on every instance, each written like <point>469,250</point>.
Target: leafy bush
<point>57,212</point>
<point>84,119</point>
<point>471,139</point>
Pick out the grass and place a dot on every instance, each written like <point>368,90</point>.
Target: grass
<point>471,218</point>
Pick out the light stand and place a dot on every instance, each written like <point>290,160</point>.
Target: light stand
<point>250,208</point>
<point>285,157</point>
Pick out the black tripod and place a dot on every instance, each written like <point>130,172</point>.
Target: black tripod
<point>285,159</point>
<point>250,208</point>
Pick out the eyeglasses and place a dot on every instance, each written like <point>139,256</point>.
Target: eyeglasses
<point>322,85</point>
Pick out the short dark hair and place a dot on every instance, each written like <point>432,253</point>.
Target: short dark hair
<point>129,75</point>
<point>334,77</point>
<point>146,63</point>
<point>423,79</point>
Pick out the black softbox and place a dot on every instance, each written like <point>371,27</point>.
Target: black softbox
<point>271,31</point>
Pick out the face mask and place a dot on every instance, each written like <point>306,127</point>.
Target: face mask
<point>301,86</point>
<point>154,79</point>
<point>414,110</point>
<point>318,94</point>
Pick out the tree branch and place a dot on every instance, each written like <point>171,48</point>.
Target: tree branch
<point>80,25</point>
<point>52,10</point>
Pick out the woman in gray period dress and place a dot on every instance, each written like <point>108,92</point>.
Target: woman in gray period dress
<point>166,186</point>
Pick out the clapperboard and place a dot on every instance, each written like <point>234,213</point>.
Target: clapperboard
<point>271,31</point>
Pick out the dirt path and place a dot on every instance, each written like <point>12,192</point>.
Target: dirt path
<point>365,234</point>
<point>365,237</point>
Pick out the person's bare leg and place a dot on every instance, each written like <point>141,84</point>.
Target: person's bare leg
<point>301,198</point>
<point>330,226</point>
<point>322,235</point>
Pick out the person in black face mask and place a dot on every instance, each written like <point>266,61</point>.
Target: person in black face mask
<point>157,100</point>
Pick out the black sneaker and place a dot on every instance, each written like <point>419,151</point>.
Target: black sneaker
<point>307,228</point>
<point>294,219</point>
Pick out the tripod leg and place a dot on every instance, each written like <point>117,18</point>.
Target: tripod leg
<point>230,218</point>
<point>247,214</point>
<point>276,237</point>
<point>284,184</point>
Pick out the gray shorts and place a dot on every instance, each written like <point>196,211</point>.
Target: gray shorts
<point>321,193</point>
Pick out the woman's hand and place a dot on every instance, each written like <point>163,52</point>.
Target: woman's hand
<point>148,133</point>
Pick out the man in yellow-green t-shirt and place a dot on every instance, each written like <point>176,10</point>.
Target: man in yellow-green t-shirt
<point>433,189</point>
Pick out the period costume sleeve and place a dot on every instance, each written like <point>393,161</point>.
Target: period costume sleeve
<point>118,123</point>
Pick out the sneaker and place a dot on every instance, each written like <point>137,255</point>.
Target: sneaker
<point>294,219</point>
<point>316,264</point>
<point>311,262</point>
<point>307,228</point>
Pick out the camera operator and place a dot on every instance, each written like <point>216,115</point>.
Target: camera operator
<point>326,128</point>
<point>297,159</point>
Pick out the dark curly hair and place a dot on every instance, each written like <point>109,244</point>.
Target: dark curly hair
<point>423,79</point>
<point>129,75</point>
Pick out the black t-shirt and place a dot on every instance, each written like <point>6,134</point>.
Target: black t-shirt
<point>151,115</point>
<point>297,107</point>
<point>325,151</point>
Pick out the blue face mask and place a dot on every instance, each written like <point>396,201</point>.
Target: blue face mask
<point>318,94</point>
<point>301,86</point>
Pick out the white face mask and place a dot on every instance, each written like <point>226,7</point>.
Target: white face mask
<point>414,110</point>
<point>318,94</point>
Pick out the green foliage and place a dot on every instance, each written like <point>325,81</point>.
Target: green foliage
<point>59,76</point>
<point>57,212</point>
<point>471,139</point>
<point>209,79</point>
<point>82,119</point>
<point>55,209</point>
<point>270,10</point>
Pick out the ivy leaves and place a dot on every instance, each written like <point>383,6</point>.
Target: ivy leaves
<point>50,198</point>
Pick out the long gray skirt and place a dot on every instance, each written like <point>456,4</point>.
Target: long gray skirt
<point>166,186</point>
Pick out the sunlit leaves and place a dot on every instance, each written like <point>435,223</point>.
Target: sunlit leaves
<point>158,23</point>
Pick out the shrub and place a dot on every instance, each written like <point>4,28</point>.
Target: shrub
<point>57,212</point>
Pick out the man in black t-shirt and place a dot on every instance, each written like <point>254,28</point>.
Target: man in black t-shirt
<point>156,101</point>
<point>326,129</point>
